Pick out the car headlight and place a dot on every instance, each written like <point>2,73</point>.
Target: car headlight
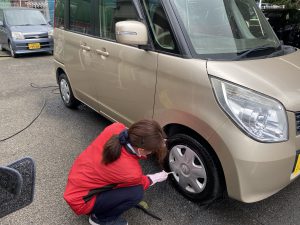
<point>50,33</point>
<point>261,117</point>
<point>17,35</point>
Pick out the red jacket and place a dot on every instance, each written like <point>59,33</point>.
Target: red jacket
<point>88,174</point>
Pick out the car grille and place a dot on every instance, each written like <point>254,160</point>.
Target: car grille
<point>24,46</point>
<point>297,114</point>
<point>35,36</point>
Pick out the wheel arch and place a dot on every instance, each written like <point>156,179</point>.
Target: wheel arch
<point>175,128</point>
<point>59,71</point>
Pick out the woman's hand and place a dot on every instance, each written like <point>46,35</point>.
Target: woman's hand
<point>158,177</point>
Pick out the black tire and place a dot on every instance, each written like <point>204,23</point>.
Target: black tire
<point>66,92</point>
<point>209,187</point>
<point>12,52</point>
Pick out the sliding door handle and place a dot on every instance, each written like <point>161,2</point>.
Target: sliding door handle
<point>85,47</point>
<point>102,52</point>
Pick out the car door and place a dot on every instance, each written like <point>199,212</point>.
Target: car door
<point>78,55</point>
<point>125,75</point>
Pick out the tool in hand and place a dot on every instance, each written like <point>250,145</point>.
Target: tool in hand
<point>171,173</point>
<point>144,206</point>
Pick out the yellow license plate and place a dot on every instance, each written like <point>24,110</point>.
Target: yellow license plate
<point>34,45</point>
<point>297,166</point>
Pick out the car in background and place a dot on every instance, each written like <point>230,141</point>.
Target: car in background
<point>286,24</point>
<point>24,30</point>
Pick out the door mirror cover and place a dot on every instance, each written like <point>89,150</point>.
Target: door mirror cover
<point>131,33</point>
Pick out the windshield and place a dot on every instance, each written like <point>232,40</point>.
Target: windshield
<point>24,17</point>
<point>221,29</point>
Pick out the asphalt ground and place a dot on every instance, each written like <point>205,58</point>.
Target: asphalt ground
<point>60,134</point>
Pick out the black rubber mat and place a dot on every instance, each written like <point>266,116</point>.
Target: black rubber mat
<point>26,168</point>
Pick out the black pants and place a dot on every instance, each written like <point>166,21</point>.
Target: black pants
<point>111,204</point>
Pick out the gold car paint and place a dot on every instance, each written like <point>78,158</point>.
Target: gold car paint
<point>105,83</point>
<point>80,64</point>
<point>254,170</point>
<point>185,96</point>
<point>277,77</point>
<point>59,40</point>
<point>125,81</point>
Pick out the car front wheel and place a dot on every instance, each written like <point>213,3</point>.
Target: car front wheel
<point>12,52</point>
<point>66,92</point>
<point>196,173</point>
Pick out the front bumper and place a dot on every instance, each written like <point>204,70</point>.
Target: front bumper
<point>22,46</point>
<point>253,170</point>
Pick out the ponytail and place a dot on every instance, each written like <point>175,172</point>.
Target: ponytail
<point>112,150</point>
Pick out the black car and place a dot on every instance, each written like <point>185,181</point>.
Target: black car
<point>286,24</point>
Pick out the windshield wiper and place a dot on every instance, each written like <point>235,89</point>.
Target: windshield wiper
<point>277,52</point>
<point>244,54</point>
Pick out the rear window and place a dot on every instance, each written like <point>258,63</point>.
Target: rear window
<point>80,16</point>
<point>59,18</point>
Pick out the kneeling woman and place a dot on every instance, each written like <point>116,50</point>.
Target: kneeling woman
<point>106,179</point>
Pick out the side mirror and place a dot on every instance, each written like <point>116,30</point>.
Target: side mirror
<point>131,33</point>
<point>16,185</point>
<point>1,23</point>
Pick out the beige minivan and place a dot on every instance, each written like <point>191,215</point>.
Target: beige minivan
<point>212,72</point>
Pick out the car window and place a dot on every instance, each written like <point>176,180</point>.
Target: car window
<point>59,17</point>
<point>223,29</point>
<point>159,24</point>
<point>24,17</point>
<point>80,16</point>
<point>111,12</point>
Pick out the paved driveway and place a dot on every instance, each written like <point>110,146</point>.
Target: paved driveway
<point>60,134</point>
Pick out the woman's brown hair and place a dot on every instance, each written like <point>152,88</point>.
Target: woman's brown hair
<point>145,134</point>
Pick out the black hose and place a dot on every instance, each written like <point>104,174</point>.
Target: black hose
<point>38,115</point>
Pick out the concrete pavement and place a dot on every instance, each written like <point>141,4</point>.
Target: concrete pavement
<point>60,134</point>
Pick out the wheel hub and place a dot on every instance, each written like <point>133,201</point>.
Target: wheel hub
<point>185,169</point>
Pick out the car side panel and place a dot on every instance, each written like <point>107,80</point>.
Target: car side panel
<point>80,65</point>
<point>125,80</point>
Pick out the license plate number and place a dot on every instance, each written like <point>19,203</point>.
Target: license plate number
<point>34,46</point>
<point>297,166</point>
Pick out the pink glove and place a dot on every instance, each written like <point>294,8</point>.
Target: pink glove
<point>158,177</point>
